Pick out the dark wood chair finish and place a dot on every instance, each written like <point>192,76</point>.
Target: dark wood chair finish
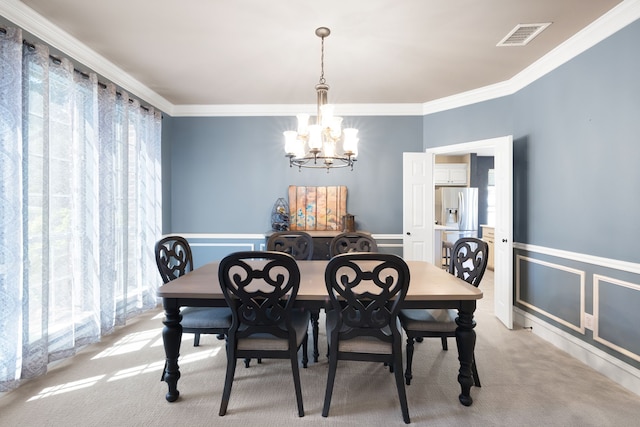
<point>352,242</point>
<point>261,288</point>
<point>174,259</point>
<point>365,292</point>
<point>295,243</point>
<point>468,262</point>
<point>299,245</point>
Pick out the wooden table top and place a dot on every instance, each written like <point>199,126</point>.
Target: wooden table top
<point>428,282</point>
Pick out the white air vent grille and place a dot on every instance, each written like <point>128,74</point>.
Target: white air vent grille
<point>522,34</point>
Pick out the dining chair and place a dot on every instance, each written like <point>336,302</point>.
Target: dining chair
<point>298,244</point>
<point>352,241</point>
<point>365,292</point>
<point>468,262</point>
<point>174,259</point>
<point>261,289</point>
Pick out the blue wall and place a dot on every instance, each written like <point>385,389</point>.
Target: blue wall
<point>576,149</point>
<point>577,152</point>
<point>227,172</point>
<point>484,120</point>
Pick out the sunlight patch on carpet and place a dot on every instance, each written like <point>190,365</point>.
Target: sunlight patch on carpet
<point>65,388</point>
<point>130,343</point>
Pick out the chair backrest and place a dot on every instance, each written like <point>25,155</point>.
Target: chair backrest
<point>260,287</point>
<point>295,243</point>
<point>367,289</point>
<point>173,257</point>
<point>352,242</point>
<point>469,257</point>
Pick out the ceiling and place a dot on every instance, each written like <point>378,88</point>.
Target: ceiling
<point>215,52</point>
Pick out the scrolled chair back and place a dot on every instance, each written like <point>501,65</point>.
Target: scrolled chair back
<point>469,258</point>
<point>367,290</point>
<point>173,257</point>
<point>261,288</point>
<point>352,242</point>
<point>298,244</point>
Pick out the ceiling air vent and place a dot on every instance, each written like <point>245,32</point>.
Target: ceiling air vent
<point>522,34</point>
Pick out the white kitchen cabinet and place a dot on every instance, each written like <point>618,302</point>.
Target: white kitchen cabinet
<point>450,174</point>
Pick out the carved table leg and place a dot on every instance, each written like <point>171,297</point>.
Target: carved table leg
<point>171,336</point>
<point>315,315</point>
<point>466,340</point>
<point>407,373</point>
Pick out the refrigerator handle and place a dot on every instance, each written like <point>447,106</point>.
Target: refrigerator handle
<point>460,209</point>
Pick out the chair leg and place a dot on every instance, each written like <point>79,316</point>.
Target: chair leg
<point>407,374</point>
<point>331,376</point>
<point>228,382</point>
<point>402,395</point>
<point>445,346</point>
<point>296,381</point>
<point>305,357</point>
<point>196,340</point>
<point>474,372</point>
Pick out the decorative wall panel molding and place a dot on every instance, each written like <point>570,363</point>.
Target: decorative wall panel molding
<point>616,326</point>
<point>530,294</point>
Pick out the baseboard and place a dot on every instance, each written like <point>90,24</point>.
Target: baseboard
<point>625,375</point>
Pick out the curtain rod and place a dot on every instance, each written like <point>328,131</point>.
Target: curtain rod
<point>58,61</point>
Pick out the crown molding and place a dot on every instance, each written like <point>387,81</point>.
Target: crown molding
<point>613,21</point>
<point>474,96</point>
<point>34,23</point>
<point>617,18</point>
<point>293,109</point>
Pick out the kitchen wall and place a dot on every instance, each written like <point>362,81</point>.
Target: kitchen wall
<point>479,178</point>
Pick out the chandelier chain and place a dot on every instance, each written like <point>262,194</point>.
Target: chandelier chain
<point>322,80</point>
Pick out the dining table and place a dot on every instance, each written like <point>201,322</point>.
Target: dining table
<point>429,287</point>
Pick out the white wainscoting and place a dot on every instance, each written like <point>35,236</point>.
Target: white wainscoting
<point>581,275</point>
<point>597,278</point>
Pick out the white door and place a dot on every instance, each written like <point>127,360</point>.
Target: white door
<point>418,206</point>
<point>503,248</point>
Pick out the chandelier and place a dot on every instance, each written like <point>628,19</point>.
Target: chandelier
<point>315,145</point>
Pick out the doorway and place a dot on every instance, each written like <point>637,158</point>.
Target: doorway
<point>419,209</point>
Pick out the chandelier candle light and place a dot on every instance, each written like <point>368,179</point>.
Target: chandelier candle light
<point>314,145</point>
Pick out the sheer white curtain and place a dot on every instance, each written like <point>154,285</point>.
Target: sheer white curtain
<point>79,208</point>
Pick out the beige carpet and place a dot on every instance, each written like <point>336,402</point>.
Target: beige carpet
<point>525,382</point>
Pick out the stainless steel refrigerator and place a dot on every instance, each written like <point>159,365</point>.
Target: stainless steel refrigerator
<point>457,209</point>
